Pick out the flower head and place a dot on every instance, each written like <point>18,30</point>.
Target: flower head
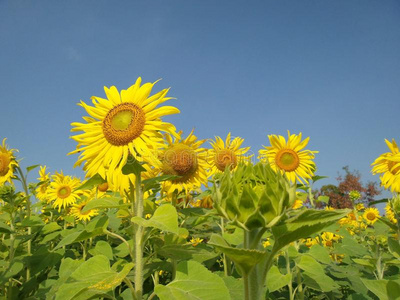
<point>289,157</point>
<point>7,163</point>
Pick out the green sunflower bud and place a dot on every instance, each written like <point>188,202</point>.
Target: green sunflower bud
<point>253,196</point>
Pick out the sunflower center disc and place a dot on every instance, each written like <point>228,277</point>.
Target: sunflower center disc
<point>287,159</point>
<point>64,192</point>
<point>123,124</point>
<point>4,164</point>
<point>390,167</point>
<point>180,160</point>
<point>371,216</point>
<point>225,158</point>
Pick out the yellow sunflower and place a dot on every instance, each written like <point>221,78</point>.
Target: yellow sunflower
<point>62,190</point>
<point>288,156</point>
<point>388,164</point>
<point>228,154</point>
<point>371,215</point>
<point>7,163</point>
<point>125,125</point>
<point>184,158</point>
<point>328,238</point>
<point>76,211</point>
<point>390,214</point>
<point>297,204</point>
<point>41,190</point>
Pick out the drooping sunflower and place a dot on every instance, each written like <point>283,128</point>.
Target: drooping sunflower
<point>226,154</point>
<point>61,191</point>
<point>184,158</point>
<point>124,125</point>
<point>76,211</point>
<point>388,164</point>
<point>289,157</point>
<point>41,190</point>
<point>7,163</point>
<point>371,215</point>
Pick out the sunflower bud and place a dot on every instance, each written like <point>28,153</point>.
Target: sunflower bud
<point>253,196</point>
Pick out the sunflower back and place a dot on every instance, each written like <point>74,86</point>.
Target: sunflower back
<point>253,196</point>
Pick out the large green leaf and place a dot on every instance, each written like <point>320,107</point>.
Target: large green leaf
<point>306,223</point>
<point>102,247</point>
<point>384,289</point>
<point>314,275</point>
<point>106,202</point>
<point>245,259</point>
<point>90,278</point>
<point>276,281</point>
<point>193,282</point>
<point>94,228</point>
<point>235,287</point>
<point>165,218</point>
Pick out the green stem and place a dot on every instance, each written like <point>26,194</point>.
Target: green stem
<point>138,234</point>
<point>227,265</point>
<point>289,271</point>
<point>246,287</point>
<point>123,240</point>
<point>28,214</point>
<point>299,284</point>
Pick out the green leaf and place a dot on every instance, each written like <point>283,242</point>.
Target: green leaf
<point>133,166</point>
<point>394,247</point>
<point>317,177</point>
<point>193,281</point>
<point>275,280</point>
<point>30,168</point>
<point>320,253</point>
<point>42,259</point>
<point>102,247</point>
<point>94,228</point>
<point>95,180</point>
<point>165,218</point>
<point>153,182</point>
<point>32,222</point>
<point>107,202</point>
<point>304,224</point>
<point>350,247</point>
<point>92,277</point>
<point>324,199</point>
<point>50,227</point>
<point>245,259</point>
<point>235,287</point>
<point>315,276</point>
<point>384,289</point>
<point>4,228</point>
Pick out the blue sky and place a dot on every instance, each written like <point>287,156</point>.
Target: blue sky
<point>329,69</point>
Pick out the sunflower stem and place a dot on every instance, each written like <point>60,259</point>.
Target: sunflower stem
<point>138,239</point>
<point>28,214</point>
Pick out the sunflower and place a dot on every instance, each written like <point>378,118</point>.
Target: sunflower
<point>297,204</point>
<point>7,163</point>
<point>62,190</point>
<point>288,157</point>
<point>41,190</point>
<point>123,126</point>
<point>328,238</point>
<point>388,164</point>
<point>76,211</point>
<point>390,214</point>
<point>184,158</point>
<point>228,154</point>
<point>371,215</point>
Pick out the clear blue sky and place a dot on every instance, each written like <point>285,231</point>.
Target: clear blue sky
<point>327,68</point>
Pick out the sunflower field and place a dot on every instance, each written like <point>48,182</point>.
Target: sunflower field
<point>161,216</point>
